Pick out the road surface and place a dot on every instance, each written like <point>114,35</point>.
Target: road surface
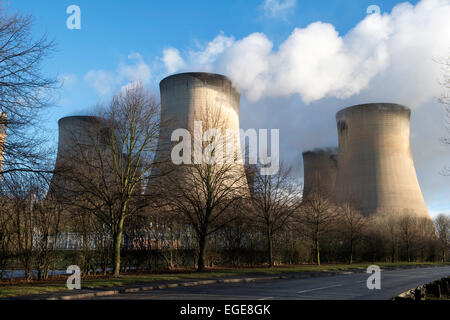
<point>338,287</point>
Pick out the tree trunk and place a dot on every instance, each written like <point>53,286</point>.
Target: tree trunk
<point>269,248</point>
<point>407,252</point>
<point>350,260</point>
<point>117,245</point>
<point>46,270</point>
<point>202,252</point>
<point>318,251</point>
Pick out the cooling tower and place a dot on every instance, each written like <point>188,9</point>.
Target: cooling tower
<point>196,96</point>
<point>319,171</point>
<point>76,135</point>
<point>376,170</point>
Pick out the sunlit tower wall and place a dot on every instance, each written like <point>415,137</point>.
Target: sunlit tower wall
<point>319,171</point>
<point>376,170</point>
<point>192,96</point>
<point>3,122</point>
<point>75,136</point>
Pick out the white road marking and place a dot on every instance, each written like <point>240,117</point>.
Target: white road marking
<point>266,298</point>
<point>321,288</point>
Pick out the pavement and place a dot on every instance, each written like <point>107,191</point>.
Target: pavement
<point>335,287</point>
<point>340,285</point>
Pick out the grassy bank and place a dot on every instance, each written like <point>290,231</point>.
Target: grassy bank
<point>19,288</point>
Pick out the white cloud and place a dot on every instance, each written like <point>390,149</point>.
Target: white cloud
<point>102,81</point>
<point>138,71</point>
<point>106,82</point>
<point>278,8</point>
<point>209,53</point>
<point>202,58</point>
<point>391,54</point>
<point>172,60</point>
<point>419,35</point>
<point>248,60</point>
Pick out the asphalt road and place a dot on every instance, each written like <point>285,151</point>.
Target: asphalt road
<point>338,287</point>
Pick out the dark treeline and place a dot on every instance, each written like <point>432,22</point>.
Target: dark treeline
<point>41,234</point>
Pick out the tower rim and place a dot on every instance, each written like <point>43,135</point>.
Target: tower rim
<point>198,75</point>
<point>329,150</point>
<point>380,106</point>
<point>82,118</point>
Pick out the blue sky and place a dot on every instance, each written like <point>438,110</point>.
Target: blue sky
<point>111,30</point>
<point>121,38</point>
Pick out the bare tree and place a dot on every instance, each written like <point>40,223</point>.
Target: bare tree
<point>6,232</point>
<point>92,235</point>
<point>276,198</point>
<point>442,224</point>
<point>445,100</point>
<point>23,194</point>
<point>445,97</point>
<point>158,232</point>
<point>351,225</point>
<point>318,214</point>
<point>388,227</point>
<point>442,221</point>
<point>407,228</point>
<point>106,177</point>
<point>24,92</point>
<point>48,223</point>
<point>205,193</point>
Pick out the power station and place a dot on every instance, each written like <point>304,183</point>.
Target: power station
<point>375,169</point>
<point>372,168</point>
<point>320,168</point>
<point>76,136</point>
<point>187,98</point>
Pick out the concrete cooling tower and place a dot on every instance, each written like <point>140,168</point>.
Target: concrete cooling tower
<point>75,136</point>
<point>376,169</point>
<point>320,168</point>
<point>196,96</point>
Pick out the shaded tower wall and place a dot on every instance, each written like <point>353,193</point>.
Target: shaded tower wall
<point>76,134</point>
<point>196,96</point>
<point>376,170</point>
<point>250,176</point>
<point>319,171</point>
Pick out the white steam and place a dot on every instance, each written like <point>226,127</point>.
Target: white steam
<point>392,54</point>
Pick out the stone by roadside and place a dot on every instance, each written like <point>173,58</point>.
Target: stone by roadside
<point>436,290</point>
